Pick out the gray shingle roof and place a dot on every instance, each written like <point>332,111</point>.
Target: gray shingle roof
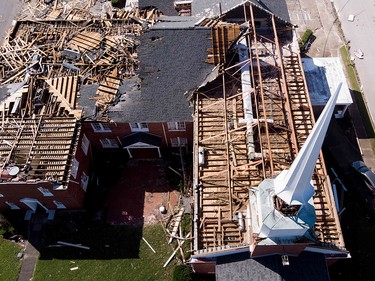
<point>172,63</point>
<point>9,89</point>
<point>164,6</point>
<point>307,266</point>
<point>210,8</point>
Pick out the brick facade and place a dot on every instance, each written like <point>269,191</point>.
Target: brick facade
<point>73,196</point>
<point>118,131</point>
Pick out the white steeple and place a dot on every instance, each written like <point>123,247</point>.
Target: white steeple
<point>293,186</point>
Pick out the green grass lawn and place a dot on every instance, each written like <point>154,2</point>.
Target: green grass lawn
<point>109,259</point>
<point>9,263</point>
<point>350,70</point>
<point>357,93</point>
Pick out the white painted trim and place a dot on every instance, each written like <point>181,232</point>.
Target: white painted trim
<point>45,192</point>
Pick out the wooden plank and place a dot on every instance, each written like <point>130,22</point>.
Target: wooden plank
<point>68,90</point>
<point>74,90</point>
<point>176,224</point>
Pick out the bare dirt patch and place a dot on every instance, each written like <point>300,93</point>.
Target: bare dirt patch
<point>139,193</point>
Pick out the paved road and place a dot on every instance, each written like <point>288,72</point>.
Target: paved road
<point>8,12</point>
<point>361,34</point>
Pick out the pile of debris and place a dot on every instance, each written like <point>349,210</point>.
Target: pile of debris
<point>43,64</point>
<point>95,49</point>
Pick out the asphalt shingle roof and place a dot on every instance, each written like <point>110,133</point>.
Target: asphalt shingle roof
<point>307,266</point>
<point>164,6</point>
<point>210,8</point>
<point>172,63</point>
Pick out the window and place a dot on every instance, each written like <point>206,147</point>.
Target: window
<point>45,192</point>
<point>84,181</point>
<point>59,205</point>
<point>12,205</point>
<point>85,144</point>
<point>75,168</point>
<point>109,143</point>
<point>139,127</point>
<point>176,142</point>
<point>101,127</point>
<point>176,126</point>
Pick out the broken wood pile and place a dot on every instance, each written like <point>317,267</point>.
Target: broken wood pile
<point>107,91</point>
<point>73,10</point>
<point>177,230</point>
<point>67,10</point>
<point>91,50</point>
<point>51,59</point>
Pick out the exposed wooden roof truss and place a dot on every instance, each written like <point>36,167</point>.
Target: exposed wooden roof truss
<point>39,131</point>
<point>42,148</point>
<point>283,120</point>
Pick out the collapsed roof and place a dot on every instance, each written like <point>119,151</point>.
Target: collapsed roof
<point>39,129</point>
<point>251,122</point>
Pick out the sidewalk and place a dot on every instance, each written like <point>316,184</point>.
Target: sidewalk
<point>34,243</point>
<point>29,261</point>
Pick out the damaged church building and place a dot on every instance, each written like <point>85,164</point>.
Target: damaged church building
<point>223,79</point>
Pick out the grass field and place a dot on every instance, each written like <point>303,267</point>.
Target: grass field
<point>109,259</point>
<point>10,264</point>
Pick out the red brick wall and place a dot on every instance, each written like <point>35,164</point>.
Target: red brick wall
<point>14,192</point>
<point>75,192</point>
<point>73,196</point>
<point>120,130</point>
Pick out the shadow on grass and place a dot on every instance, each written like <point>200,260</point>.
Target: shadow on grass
<point>90,228</point>
<point>105,241</point>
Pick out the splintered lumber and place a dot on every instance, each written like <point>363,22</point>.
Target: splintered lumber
<point>53,15</point>
<point>93,48</point>
<point>148,244</point>
<point>175,251</point>
<point>179,244</point>
<point>107,90</point>
<point>66,87</point>
<point>173,170</point>
<point>73,245</point>
<point>176,224</point>
<point>86,41</point>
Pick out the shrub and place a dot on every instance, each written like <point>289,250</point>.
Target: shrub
<point>305,38</point>
<point>6,229</point>
<point>182,272</point>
